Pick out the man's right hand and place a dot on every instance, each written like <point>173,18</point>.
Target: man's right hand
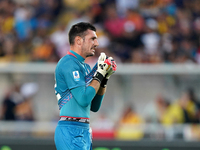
<point>112,69</point>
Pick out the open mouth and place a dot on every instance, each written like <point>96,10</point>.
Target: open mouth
<point>93,49</point>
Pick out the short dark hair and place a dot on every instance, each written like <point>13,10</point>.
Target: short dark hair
<point>79,30</point>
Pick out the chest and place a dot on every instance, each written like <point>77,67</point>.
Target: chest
<point>85,69</point>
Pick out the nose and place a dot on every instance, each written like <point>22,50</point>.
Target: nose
<point>96,43</point>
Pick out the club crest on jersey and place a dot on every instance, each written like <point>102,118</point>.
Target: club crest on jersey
<point>76,75</point>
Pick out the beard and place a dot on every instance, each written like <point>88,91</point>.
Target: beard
<point>89,55</point>
<point>87,50</point>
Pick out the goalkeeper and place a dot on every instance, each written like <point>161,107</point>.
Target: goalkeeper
<point>79,88</point>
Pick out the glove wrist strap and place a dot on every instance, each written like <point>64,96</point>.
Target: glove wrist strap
<point>104,82</point>
<point>98,76</point>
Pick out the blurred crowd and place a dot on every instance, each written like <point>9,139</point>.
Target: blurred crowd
<point>183,110</point>
<point>132,31</point>
<point>180,117</point>
<point>17,103</point>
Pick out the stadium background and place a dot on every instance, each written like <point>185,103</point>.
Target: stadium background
<point>156,44</point>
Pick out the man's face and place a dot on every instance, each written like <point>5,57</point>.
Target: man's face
<point>90,43</point>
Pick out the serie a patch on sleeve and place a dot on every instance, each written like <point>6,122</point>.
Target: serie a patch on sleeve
<point>76,75</point>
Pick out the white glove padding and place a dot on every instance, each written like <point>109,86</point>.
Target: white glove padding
<point>102,67</point>
<point>102,57</point>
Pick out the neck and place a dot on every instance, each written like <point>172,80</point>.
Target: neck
<point>77,50</point>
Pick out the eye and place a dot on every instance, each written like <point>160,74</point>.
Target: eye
<point>94,38</point>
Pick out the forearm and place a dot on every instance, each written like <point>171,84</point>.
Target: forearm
<point>95,84</point>
<point>96,103</point>
<point>84,95</point>
<point>101,91</point>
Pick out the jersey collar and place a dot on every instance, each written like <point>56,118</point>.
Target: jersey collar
<point>79,57</point>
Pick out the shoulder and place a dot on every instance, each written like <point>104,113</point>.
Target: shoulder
<point>68,63</point>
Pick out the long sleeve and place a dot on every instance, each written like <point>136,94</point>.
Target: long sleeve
<point>83,95</point>
<point>96,103</point>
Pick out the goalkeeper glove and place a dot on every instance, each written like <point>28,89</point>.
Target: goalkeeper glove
<point>102,68</point>
<point>111,70</point>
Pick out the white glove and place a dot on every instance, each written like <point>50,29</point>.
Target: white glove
<point>102,68</point>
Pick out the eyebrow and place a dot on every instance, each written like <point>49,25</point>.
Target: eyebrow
<point>94,37</point>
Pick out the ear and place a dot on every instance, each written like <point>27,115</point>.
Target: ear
<point>78,40</point>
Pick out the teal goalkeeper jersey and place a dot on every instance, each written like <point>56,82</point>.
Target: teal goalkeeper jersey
<point>72,77</point>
